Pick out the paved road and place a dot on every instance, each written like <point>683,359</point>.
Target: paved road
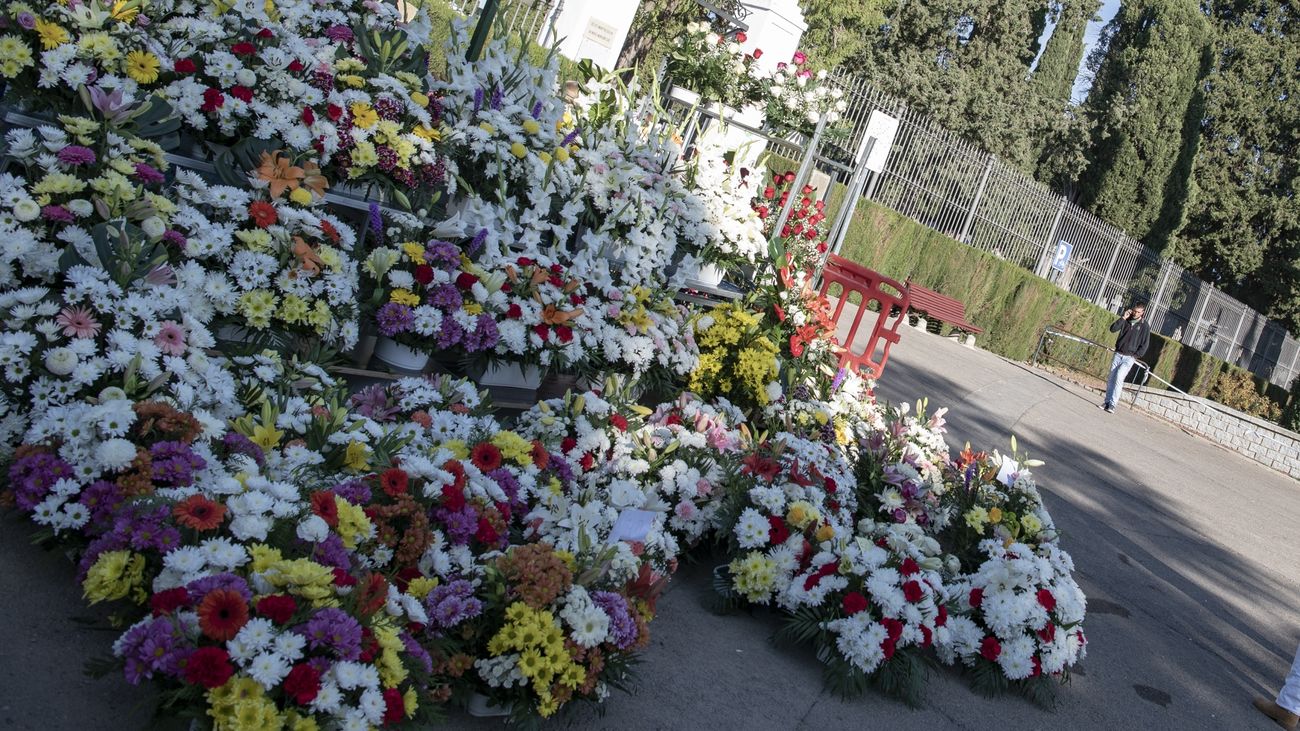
<point>1187,553</point>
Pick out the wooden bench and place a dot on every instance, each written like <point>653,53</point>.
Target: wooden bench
<point>941,307</point>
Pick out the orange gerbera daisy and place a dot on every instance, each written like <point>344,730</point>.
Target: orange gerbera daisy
<point>199,513</point>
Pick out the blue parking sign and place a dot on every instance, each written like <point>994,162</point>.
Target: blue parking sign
<point>1062,256</point>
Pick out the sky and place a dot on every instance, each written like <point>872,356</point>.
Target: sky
<point>1082,82</point>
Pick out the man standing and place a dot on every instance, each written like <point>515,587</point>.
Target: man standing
<point>1134,337</point>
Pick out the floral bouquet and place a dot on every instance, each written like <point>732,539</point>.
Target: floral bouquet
<point>738,359</point>
<point>713,66</point>
<point>803,235</point>
<point>641,332</point>
<point>545,318</point>
<point>798,96</point>
<point>735,227</point>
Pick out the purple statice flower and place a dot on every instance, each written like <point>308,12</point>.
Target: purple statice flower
<point>838,380</point>
<point>443,255</point>
<point>57,214</point>
<point>450,334</point>
<point>75,155</point>
<point>339,33</point>
<point>331,552</point>
<point>372,402</point>
<point>332,629</point>
<point>237,443</point>
<point>148,175</point>
<point>569,138</point>
<point>460,524</point>
<point>26,20</point>
<point>200,588</point>
<point>497,97</point>
<point>174,463</point>
<point>394,318</point>
<point>152,646</point>
<point>354,491</point>
<point>537,110</point>
<point>175,238</point>
<point>32,476</point>
<point>478,99</point>
<point>102,498</point>
<point>416,652</point>
<point>476,243</point>
<point>446,298</point>
<point>622,627</point>
<point>376,221</point>
<point>452,603</point>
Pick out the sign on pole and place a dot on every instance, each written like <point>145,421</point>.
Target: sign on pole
<point>1062,256</point>
<point>882,128</point>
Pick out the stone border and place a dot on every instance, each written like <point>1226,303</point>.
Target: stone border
<point>1251,437</point>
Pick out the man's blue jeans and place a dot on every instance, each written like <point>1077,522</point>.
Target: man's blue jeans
<point>1119,368</point>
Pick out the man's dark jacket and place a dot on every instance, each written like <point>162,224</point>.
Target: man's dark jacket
<point>1134,337</point>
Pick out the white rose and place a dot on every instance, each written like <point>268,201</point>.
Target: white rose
<point>246,77</point>
<point>153,227</point>
<point>821,74</point>
<point>26,210</point>
<point>61,361</point>
<point>712,39</point>
<point>733,48</point>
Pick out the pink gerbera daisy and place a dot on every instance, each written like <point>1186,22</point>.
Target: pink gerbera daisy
<point>78,322</point>
<point>170,338</point>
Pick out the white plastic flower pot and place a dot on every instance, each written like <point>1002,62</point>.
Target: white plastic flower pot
<point>511,375</point>
<point>709,275</point>
<point>482,707</point>
<point>400,358</point>
<point>683,95</point>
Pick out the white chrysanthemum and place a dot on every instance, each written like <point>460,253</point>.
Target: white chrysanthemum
<point>752,530</point>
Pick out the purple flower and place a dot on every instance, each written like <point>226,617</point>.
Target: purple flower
<point>26,20</point>
<point>509,485</point>
<point>394,318</point>
<point>147,175</point>
<point>340,33</point>
<point>460,524</point>
<point>569,138</point>
<point>561,467</point>
<point>450,334</point>
<point>57,214</point>
<point>900,515</point>
<point>32,477</point>
<point>175,238</point>
<point>109,104</point>
<point>332,629</point>
<point>102,499</point>
<point>74,155</point>
<point>174,463</point>
<point>484,336</point>
<point>839,379</point>
<point>354,491</point>
<point>443,255</point>
<point>376,223</point>
<point>415,651</point>
<point>477,242</point>
<point>497,97</point>
<point>200,588</point>
<point>452,603</point>
<point>237,443</point>
<point>372,402</point>
<point>332,552</point>
<point>622,627</point>
<point>537,110</point>
<point>478,99</point>
<point>446,298</point>
<point>152,646</point>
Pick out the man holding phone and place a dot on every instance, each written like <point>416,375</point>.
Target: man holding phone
<point>1134,338</point>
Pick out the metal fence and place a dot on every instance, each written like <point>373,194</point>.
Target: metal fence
<point>951,185</point>
<point>532,20</point>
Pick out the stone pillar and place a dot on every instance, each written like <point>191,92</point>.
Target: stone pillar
<point>775,28</point>
<point>591,29</point>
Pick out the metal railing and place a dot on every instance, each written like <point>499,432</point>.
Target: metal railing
<point>953,186</point>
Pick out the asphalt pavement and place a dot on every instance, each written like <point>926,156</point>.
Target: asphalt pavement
<point>1187,553</point>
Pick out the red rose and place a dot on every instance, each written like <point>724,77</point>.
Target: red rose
<point>333,111</point>
<point>912,592</point>
<point>778,532</point>
<point>564,333</point>
<point>302,684</point>
<point>242,93</point>
<point>789,178</point>
<point>741,37</point>
<point>486,456</point>
<point>976,597</point>
<point>308,116</point>
<point>393,481</point>
<point>758,53</point>
<point>323,505</point>
<point>894,627</point>
<point>423,273</point>
<point>619,421</point>
<point>909,567</point>
<point>453,498</point>
<point>209,667</point>
<point>486,532</point>
<point>543,331</point>
<point>465,280</point>
<point>296,66</point>
<point>576,299</point>
<point>184,66</point>
<point>243,49</point>
<point>265,33</point>
<point>854,602</point>
<point>213,100</point>
<point>394,707</point>
<point>769,192</point>
<point>166,602</point>
<point>278,608</point>
<point>524,261</point>
<point>1046,599</point>
<point>990,648</point>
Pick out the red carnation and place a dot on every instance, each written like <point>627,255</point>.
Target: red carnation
<point>912,591</point>
<point>209,667</point>
<point>242,93</point>
<point>222,613</point>
<point>619,421</point>
<point>1048,633</point>
<point>373,595</point>
<point>543,331</point>
<point>184,66</point>
<point>564,333</point>
<point>514,311</point>
<point>990,648</point>
<point>779,533</point>
<point>465,280</point>
<point>486,457</point>
<point>333,111</point>
<point>424,274</point>
<point>296,66</point>
<point>243,49</point>
<point>887,647</point>
<point>213,100</point>
<point>741,37</point>
<point>394,707</point>
<point>1046,599</point>
<point>894,627</point>
<point>927,637</point>
<point>457,471</point>
<point>942,618</point>
<point>308,116</point>
<point>324,507</point>
<point>278,608</point>
<point>265,33</point>
<point>588,461</point>
<point>854,602</point>
<point>343,578</point>
<point>166,602</point>
<point>976,597</point>
<point>1038,667</point>
<point>909,567</point>
<point>486,532</point>
<point>302,684</point>
<point>453,498</point>
<point>263,214</point>
<point>393,481</point>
